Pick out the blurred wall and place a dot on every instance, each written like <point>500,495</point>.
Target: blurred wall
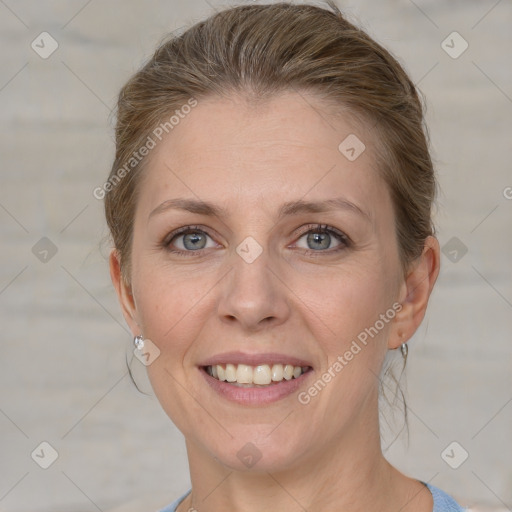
<point>63,379</point>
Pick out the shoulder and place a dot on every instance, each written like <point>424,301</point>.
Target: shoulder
<point>443,502</point>
<point>172,507</point>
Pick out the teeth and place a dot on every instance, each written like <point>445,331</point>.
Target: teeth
<point>244,374</point>
<point>261,375</point>
<point>230,372</point>
<point>277,372</point>
<point>288,371</point>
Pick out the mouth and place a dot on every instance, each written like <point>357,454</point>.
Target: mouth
<point>258,376</point>
<point>255,380</point>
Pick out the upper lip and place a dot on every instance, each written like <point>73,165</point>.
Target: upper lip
<point>254,359</point>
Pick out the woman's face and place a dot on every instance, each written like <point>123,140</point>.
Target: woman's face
<point>262,282</point>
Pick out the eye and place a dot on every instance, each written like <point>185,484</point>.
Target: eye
<point>319,238</point>
<point>188,239</point>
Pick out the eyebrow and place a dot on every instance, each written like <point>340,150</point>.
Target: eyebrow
<point>287,209</point>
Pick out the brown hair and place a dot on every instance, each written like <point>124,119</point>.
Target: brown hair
<point>262,50</point>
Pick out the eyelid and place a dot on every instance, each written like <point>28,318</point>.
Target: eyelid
<point>326,228</point>
<point>343,238</point>
<point>183,231</point>
<point>179,231</point>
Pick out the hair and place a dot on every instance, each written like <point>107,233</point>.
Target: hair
<point>260,51</point>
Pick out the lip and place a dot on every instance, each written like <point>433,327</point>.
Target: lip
<point>255,396</point>
<point>254,359</point>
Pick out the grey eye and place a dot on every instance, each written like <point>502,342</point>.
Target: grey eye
<point>191,240</point>
<point>194,240</point>
<point>318,240</point>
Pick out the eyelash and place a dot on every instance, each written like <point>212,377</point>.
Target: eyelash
<point>314,228</point>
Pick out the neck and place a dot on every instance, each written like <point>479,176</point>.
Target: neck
<point>348,474</point>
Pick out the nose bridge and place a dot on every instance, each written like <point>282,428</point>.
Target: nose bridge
<point>252,291</point>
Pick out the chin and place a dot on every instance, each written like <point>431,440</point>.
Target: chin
<point>250,450</point>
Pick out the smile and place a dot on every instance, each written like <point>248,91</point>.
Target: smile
<point>255,379</point>
<point>261,375</point>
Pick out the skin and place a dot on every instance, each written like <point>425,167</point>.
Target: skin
<point>250,159</point>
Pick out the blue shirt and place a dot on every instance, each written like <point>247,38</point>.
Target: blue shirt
<point>442,501</point>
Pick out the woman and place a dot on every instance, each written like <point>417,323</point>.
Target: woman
<point>270,207</point>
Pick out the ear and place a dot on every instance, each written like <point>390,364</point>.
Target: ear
<point>124,292</point>
<point>415,292</point>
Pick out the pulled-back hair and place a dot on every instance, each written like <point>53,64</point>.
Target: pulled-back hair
<point>259,51</point>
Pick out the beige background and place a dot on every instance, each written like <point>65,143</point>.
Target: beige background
<point>63,378</point>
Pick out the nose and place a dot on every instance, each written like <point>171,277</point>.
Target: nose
<point>254,293</point>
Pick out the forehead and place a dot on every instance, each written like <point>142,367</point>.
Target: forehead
<point>286,148</point>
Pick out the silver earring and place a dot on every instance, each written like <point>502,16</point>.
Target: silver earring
<point>138,341</point>
<point>405,351</point>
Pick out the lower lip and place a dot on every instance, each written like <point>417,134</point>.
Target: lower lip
<point>255,396</point>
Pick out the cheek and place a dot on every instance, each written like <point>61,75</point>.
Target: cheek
<point>167,303</point>
<point>173,308</point>
<point>349,300</point>
<point>353,311</point>
<point>351,322</point>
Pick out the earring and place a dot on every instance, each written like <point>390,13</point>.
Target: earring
<point>405,351</point>
<point>138,341</point>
